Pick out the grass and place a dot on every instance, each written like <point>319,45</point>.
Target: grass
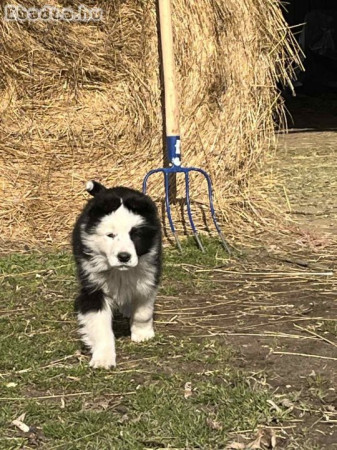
<point>142,403</point>
<point>329,326</point>
<point>181,267</point>
<point>318,386</point>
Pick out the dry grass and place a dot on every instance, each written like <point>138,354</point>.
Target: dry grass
<point>81,101</point>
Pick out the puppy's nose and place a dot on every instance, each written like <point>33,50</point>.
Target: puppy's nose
<point>123,257</point>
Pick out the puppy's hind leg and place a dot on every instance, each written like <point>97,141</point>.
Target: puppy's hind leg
<point>95,319</point>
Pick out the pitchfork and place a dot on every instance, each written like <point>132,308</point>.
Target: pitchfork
<point>172,132</point>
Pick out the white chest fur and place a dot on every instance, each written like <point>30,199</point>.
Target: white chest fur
<point>122,286</point>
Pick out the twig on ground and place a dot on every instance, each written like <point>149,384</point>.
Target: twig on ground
<point>304,354</point>
<point>316,334</point>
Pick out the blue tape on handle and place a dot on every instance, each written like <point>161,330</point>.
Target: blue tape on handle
<point>173,149</point>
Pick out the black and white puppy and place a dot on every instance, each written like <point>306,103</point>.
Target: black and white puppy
<point>117,250</point>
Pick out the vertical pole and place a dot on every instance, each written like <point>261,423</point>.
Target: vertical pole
<point>170,92</point>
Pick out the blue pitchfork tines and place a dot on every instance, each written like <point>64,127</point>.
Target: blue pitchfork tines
<point>172,132</point>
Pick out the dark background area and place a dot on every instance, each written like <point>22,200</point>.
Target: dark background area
<point>314,23</point>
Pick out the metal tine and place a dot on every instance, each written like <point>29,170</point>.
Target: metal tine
<point>167,201</point>
<point>168,211</point>
<point>151,172</point>
<point>189,212</point>
<point>210,197</point>
<point>145,183</point>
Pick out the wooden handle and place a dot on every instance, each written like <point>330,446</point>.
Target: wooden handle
<point>171,100</point>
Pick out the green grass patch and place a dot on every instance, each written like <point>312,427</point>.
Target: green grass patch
<point>142,403</point>
<point>329,326</point>
<point>183,270</point>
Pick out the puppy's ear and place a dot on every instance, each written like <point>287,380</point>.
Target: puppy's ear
<point>141,203</point>
<point>94,188</point>
<point>104,204</point>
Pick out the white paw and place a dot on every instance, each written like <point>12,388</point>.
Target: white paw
<point>142,334</point>
<point>105,359</point>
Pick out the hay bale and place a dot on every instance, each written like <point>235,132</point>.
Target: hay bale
<point>83,100</point>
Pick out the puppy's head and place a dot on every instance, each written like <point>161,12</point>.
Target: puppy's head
<point>122,225</point>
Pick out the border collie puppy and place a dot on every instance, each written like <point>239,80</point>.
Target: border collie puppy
<point>117,250</point>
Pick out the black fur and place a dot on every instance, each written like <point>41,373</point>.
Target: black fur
<point>89,301</point>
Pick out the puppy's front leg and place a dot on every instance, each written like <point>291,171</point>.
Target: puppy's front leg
<point>142,318</point>
<point>95,319</point>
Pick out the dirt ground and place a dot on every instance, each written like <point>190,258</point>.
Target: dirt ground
<point>277,305</point>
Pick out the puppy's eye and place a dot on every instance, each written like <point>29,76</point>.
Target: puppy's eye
<point>111,235</point>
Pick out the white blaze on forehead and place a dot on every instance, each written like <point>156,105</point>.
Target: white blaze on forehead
<point>119,222</point>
